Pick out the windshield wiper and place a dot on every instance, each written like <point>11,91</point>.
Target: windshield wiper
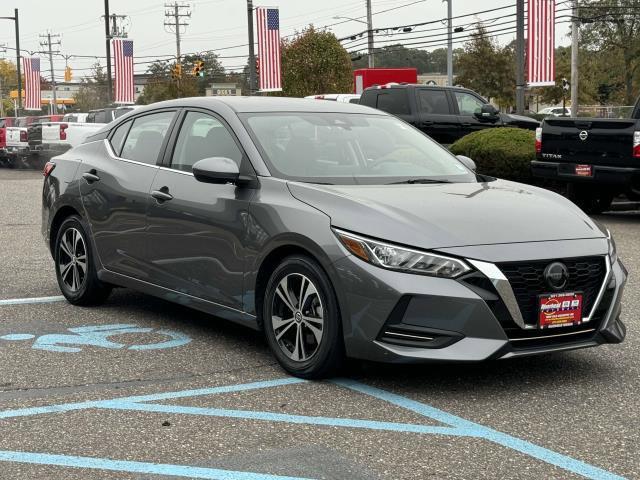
<point>413,181</point>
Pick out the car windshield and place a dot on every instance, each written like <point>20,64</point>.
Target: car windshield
<point>350,149</point>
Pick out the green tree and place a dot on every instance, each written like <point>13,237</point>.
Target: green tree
<point>9,81</point>
<point>93,91</point>
<point>315,62</point>
<point>487,68</point>
<point>399,56</point>
<point>613,26</point>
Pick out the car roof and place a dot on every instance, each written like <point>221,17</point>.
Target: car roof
<point>265,104</point>
<point>393,85</point>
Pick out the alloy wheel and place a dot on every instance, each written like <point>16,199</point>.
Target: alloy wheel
<point>72,259</point>
<point>297,317</point>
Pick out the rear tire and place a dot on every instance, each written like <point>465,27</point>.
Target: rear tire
<point>305,336</point>
<point>591,201</point>
<point>76,266</point>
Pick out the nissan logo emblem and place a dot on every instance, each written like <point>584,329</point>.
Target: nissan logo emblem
<point>556,275</point>
<point>583,135</point>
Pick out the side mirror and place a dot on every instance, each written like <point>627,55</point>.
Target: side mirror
<point>467,162</point>
<point>216,170</point>
<point>488,111</point>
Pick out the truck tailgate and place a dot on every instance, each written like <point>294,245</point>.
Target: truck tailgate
<point>13,137</point>
<point>594,141</point>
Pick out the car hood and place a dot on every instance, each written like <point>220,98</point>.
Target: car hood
<point>450,215</point>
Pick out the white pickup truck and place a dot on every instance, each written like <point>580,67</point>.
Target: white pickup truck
<point>53,138</point>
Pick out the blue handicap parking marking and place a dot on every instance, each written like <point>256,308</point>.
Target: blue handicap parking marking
<point>99,336</point>
<point>451,425</point>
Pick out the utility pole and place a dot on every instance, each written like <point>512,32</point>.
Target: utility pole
<point>575,38</point>
<point>107,36</point>
<point>252,55</point>
<point>520,81</point>
<point>370,34</point>
<point>49,45</point>
<point>449,42</point>
<point>174,23</point>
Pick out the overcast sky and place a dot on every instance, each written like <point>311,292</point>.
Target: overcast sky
<point>220,24</point>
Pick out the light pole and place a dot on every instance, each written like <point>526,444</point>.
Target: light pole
<point>369,25</point>
<point>449,42</point>
<point>575,38</point>
<point>18,67</point>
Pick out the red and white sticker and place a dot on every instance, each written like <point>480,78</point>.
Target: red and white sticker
<point>560,310</point>
<point>584,170</point>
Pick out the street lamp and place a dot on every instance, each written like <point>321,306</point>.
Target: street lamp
<point>369,24</point>
<point>339,17</point>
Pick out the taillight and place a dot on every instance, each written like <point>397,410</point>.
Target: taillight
<point>63,131</point>
<point>636,144</point>
<point>48,168</point>
<point>24,136</point>
<point>539,140</point>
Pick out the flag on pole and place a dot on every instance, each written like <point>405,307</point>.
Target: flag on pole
<point>541,42</point>
<point>268,21</point>
<point>32,99</point>
<point>123,56</point>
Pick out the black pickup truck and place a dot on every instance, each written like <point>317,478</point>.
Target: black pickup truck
<point>597,158</point>
<point>444,113</point>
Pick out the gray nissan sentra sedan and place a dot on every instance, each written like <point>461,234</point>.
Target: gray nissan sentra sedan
<point>338,230</point>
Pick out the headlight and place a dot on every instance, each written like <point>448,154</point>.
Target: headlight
<point>402,259</point>
<point>613,253</point>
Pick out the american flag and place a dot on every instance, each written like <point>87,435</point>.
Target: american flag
<point>268,21</point>
<point>32,99</point>
<point>541,42</point>
<point>123,56</point>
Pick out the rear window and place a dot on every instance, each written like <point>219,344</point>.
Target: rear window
<point>369,98</point>
<point>393,101</point>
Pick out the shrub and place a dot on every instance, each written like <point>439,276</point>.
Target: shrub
<point>500,152</point>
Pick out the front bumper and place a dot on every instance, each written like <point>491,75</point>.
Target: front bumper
<point>605,175</point>
<point>396,317</point>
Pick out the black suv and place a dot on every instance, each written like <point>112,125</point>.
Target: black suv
<point>444,113</point>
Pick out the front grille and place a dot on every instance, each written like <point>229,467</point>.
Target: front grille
<point>586,275</point>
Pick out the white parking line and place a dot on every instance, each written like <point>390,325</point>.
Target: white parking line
<point>23,301</point>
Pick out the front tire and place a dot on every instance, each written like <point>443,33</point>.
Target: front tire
<point>302,319</point>
<point>76,265</point>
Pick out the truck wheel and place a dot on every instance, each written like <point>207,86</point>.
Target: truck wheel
<point>590,201</point>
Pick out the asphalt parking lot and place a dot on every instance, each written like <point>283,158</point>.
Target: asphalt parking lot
<point>139,388</point>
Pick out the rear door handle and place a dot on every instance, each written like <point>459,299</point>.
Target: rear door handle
<point>426,124</point>
<point>162,195</point>
<point>466,124</point>
<point>91,176</point>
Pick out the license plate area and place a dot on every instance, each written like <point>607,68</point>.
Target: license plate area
<point>556,310</point>
<point>584,170</point>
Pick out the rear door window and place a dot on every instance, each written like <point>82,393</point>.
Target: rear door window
<point>146,136</point>
<point>117,138</point>
<point>394,101</point>
<point>433,101</point>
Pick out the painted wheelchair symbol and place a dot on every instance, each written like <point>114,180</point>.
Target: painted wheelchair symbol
<point>98,336</point>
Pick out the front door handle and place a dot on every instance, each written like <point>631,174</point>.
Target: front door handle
<point>466,124</point>
<point>91,176</point>
<point>162,195</point>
